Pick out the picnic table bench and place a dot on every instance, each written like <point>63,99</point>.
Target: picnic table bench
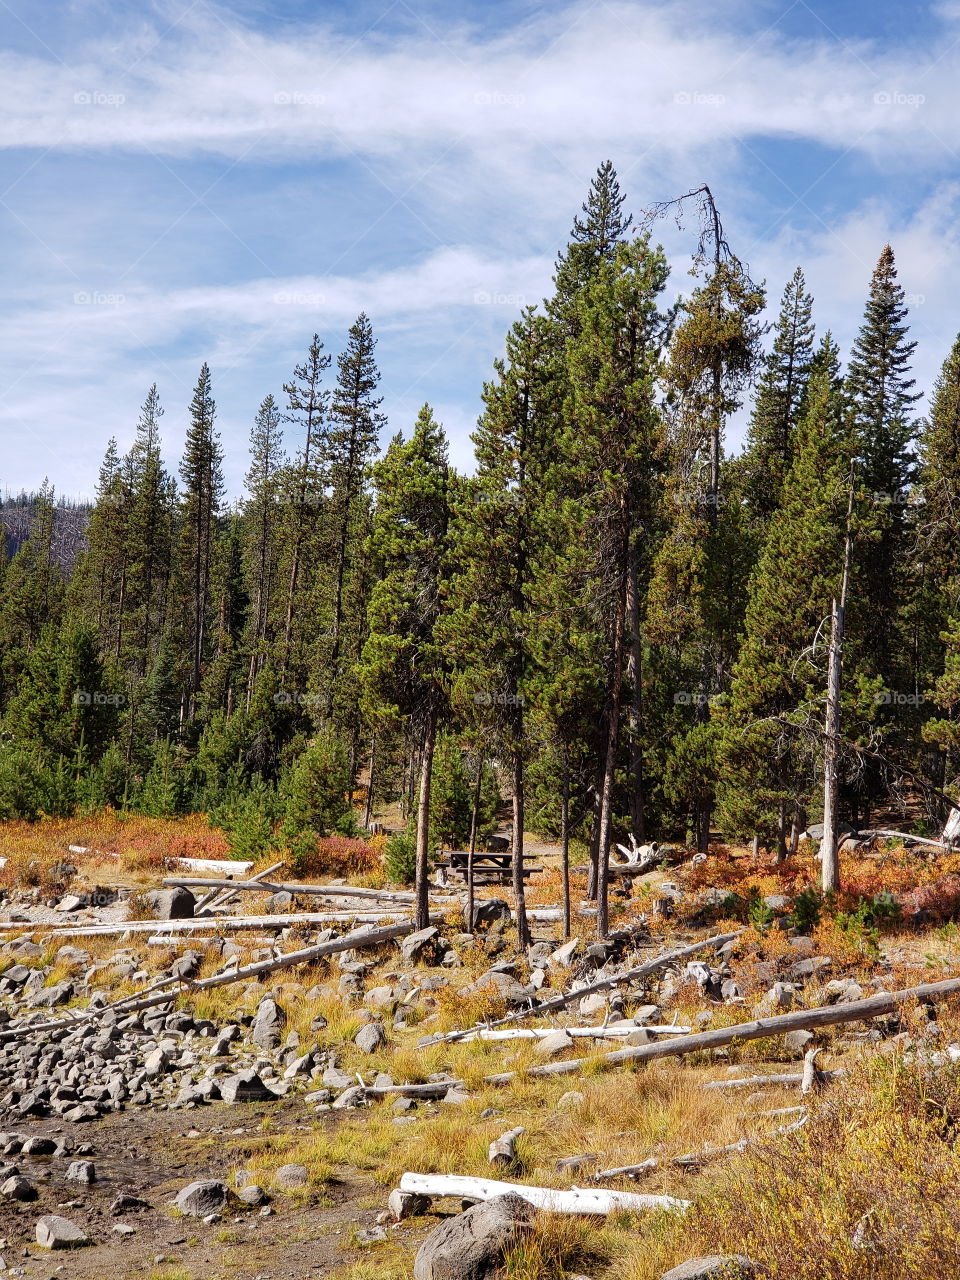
<point>488,868</point>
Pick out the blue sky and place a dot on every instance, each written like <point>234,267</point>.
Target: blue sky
<point>184,181</point>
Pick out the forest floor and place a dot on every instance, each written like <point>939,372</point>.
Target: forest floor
<point>877,1160</point>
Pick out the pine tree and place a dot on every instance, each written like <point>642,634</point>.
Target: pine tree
<point>880,396</point>
<point>149,538</point>
<point>356,423</point>
<point>610,442</point>
<point>778,402</point>
<point>304,500</point>
<point>768,744</point>
<point>259,534</point>
<point>403,667</point>
<point>200,471</point>
<point>938,530</point>
<point>32,592</point>
<point>594,239</point>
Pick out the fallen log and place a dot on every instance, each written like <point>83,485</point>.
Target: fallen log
<point>788,1081</point>
<point>158,927</point>
<point>576,1200</point>
<point>560,1002</point>
<point>503,1150</point>
<point>262,885</point>
<point>133,1003</point>
<point>213,866</point>
<point>883,834</point>
<point>800,1020</point>
<point>586,1033</point>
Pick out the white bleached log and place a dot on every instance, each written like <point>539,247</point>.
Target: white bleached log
<point>221,899</point>
<point>789,1080</point>
<point>260,884</point>
<point>213,866</point>
<point>576,1200</point>
<point>228,923</point>
<point>587,1033</point>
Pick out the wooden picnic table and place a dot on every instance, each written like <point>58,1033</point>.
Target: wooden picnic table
<point>488,868</point>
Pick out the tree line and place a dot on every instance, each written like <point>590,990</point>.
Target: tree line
<point>615,621</point>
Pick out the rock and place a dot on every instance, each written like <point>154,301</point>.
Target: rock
<point>730,991</point>
<point>187,965</point>
<point>732,1266</point>
<point>49,997</point>
<point>253,1195</point>
<point>72,957</point>
<point>371,1038</point>
<point>591,1005</point>
<point>553,1045</point>
<point>795,1042</point>
<point>563,956</point>
<point>471,1245</point>
<point>245,1086</point>
<point>781,996</point>
<point>334,1078</point>
<point>124,1229</point>
<point>198,1199</point>
<point>371,1235</point>
<point>351,1097</point>
<point>82,1171</point>
<point>570,1100</point>
<point>18,1188</point>
<point>280,901</point>
<point>54,1232</point>
<point>267,1025</point>
<point>156,1063</point>
<point>640,1036</point>
<point>71,902</point>
<point>383,998</point>
<point>420,946</point>
<point>487,914</point>
<point>407,1204</point>
<point>128,1204</point>
<point>171,904</point>
<point>539,954</point>
<point>291,1176</point>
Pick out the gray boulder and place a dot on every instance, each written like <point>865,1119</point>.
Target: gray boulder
<point>18,1188</point>
<point>269,1022</point>
<point>198,1199</point>
<point>487,914</point>
<point>371,1038</point>
<point>291,1176</point>
<point>54,1232</point>
<point>420,946</point>
<point>732,1266</point>
<point>82,1171</point>
<point>49,997</point>
<point>171,904</point>
<point>245,1086</point>
<point>471,1245</point>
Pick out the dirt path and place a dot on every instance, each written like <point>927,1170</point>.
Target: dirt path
<point>151,1155</point>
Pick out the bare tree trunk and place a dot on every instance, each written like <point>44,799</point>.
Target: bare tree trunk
<point>523,927</point>
<point>472,847</point>
<point>610,764</point>
<point>368,810</point>
<point>594,842</point>
<point>635,709</point>
<point>565,845</point>
<point>781,832</point>
<point>423,824</point>
<point>829,861</point>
